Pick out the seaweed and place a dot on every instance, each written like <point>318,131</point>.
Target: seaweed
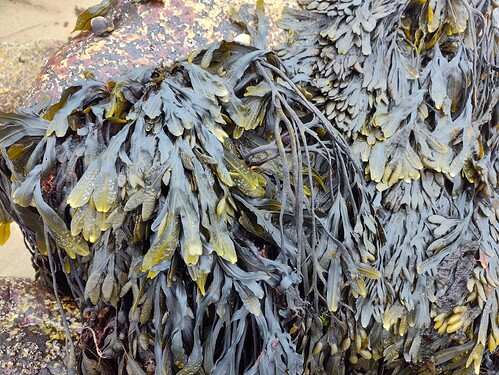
<point>330,207</point>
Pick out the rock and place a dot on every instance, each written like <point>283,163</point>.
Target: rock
<point>31,331</point>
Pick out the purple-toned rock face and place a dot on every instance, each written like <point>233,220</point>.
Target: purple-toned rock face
<point>144,34</point>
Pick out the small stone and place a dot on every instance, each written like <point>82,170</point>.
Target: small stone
<point>99,25</point>
<point>22,59</point>
<point>243,39</point>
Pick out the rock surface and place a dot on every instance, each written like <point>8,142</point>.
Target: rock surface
<point>32,337</point>
<point>146,34</point>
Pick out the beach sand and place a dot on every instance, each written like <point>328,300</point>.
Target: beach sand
<point>23,21</point>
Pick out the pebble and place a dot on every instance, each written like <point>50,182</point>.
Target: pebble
<point>99,25</point>
<point>243,39</point>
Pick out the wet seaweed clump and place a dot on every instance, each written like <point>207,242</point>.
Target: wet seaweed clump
<point>206,216</point>
<point>329,208</point>
<point>413,88</point>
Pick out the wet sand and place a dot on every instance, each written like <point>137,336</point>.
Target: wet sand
<point>23,21</point>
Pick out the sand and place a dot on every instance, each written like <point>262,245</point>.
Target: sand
<point>23,21</point>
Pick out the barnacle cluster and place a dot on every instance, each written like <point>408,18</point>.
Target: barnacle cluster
<point>214,216</point>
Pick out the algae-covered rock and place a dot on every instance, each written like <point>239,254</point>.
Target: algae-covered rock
<point>32,337</point>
